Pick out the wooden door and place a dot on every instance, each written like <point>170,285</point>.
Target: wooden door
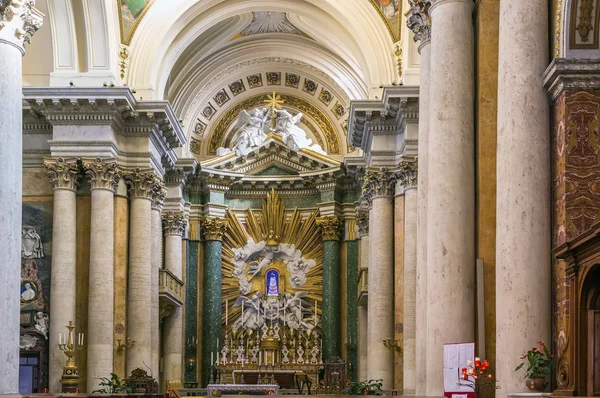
<point>594,353</point>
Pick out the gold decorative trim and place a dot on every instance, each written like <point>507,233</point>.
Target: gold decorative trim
<point>219,138</point>
<point>127,41</point>
<point>557,30</point>
<point>213,228</point>
<point>331,227</point>
<point>396,36</point>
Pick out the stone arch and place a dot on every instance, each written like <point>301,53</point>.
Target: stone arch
<point>577,29</point>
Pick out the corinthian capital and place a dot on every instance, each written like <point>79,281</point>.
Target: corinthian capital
<point>407,174</point>
<point>103,174</point>
<point>63,173</point>
<point>19,20</point>
<point>362,221</point>
<point>141,183</point>
<point>378,183</point>
<point>418,19</point>
<point>331,227</point>
<point>213,228</point>
<point>159,193</point>
<point>174,223</point>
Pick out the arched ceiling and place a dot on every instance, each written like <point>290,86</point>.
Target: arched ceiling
<point>208,57</point>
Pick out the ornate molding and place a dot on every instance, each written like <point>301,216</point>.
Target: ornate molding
<point>331,227</point>
<point>104,174</point>
<point>141,183</point>
<point>213,228</point>
<point>362,221</point>
<point>378,183</point>
<point>19,20</point>
<point>407,174</point>
<point>64,174</point>
<point>159,193</point>
<point>174,223</point>
<point>418,19</point>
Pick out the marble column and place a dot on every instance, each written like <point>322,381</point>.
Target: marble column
<point>419,22</point>
<point>450,185</point>
<point>173,226</point>
<point>379,188</point>
<point>158,199</point>
<point>139,300</point>
<point>64,175</point>
<point>213,230</point>
<point>362,221</point>
<point>331,228</point>
<point>18,22</point>
<point>523,266</point>
<point>103,175</point>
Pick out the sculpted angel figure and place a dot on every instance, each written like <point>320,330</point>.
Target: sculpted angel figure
<point>41,324</point>
<point>31,244</point>
<point>292,135</point>
<point>249,132</point>
<point>251,309</point>
<point>295,311</point>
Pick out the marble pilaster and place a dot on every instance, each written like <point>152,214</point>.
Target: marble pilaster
<point>18,22</point>
<point>410,291</point>
<point>523,221</point>
<point>352,259</point>
<point>157,262</point>
<point>213,230</point>
<point>139,301</point>
<point>378,188</point>
<point>103,176</point>
<point>398,300</point>
<point>362,221</point>
<point>331,228</point>
<point>173,226</point>
<point>450,185</point>
<point>64,175</point>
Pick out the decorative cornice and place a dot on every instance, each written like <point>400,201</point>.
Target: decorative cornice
<point>174,222</point>
<point>102,173</point>
<point>159,193</point>
<point>19,20</point>
<point>571,74</point>
<point>378,183</point>
<point>362,220</point>
<point>63,173</point>
<point>141,183</point>
<point>331,227</point>
<point>213,228</point>
<point>418,19</point>
<point>407,174</point>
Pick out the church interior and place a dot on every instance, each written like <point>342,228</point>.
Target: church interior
<point>292,197</point>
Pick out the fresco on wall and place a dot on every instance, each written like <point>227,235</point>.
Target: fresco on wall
<point>36,252</point>
<point>391,13</point>
<point>131,13</point>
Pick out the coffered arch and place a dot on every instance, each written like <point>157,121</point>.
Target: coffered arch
<point>577,29</point>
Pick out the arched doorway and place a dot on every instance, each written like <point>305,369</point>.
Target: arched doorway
<point>590,332</point>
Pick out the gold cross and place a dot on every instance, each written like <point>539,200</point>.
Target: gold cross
<point>274,102</point>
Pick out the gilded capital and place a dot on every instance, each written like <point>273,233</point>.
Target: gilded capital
<point>418,19</point>
<point>174,223</point>
<point>362,221</point>
<point>378,183</point>
<point>407,174</point>
<point>104,174</point>
<point>19,20</point>
<point>331,227</point>
<point>213,228</point>
<point>141,183</point>
<point>63,173</point>
<point>159,193</point>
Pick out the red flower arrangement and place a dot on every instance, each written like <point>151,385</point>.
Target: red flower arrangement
<point>539,362</point>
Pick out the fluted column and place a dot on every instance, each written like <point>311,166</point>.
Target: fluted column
<point>362,221</point>
<point>213,230</point>
<point>139,301</point>
<point>103,177</point>
<point>450,185</point>
<point>331,228</point>
<point>18,22</point>
<point>64,175</point>
<point>379,187</point>
<point>419,22</point>
<point>173,227</point>
<point>157,256</point>
<point>523,267</point>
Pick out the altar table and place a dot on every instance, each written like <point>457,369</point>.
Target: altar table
<point>236,389</point>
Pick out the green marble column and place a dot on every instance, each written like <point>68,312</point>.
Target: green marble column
<point>191,310</point>
<point>213,230</point>
<point>352,310</point>
<point>331,228</point>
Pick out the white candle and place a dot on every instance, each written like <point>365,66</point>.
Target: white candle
<point>242,314</point>
<point>226,312</point>
<point>273,358</point>
<point>283,316</point>
<point>82,337</point>
<point>259,359</point>
<point>242,363</point>
<point>60,339</point>
<point>211,359</point>
<point>315,312</point>
<point>217,347</point>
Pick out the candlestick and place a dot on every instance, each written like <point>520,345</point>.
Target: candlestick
<point>226,312</point>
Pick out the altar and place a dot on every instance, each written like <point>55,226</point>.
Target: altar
<point>246,389</point>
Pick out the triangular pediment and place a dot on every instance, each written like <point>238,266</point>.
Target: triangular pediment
<point>275,169</point>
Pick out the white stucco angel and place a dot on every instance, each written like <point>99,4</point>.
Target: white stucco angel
<point>251,318</point>
<point>41,324</point>
<point>249,132</point>
<point>292,135</point>
<point>295,312</point>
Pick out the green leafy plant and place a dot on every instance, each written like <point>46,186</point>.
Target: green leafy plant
<point>539,362</point>
<point>113,385</point>
<point>370,387</point>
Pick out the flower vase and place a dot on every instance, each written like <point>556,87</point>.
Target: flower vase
<point>537,384</point>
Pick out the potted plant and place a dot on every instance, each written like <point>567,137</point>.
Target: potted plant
<point>113,385</point>
<point>539,362</point>
<point>370,387</point>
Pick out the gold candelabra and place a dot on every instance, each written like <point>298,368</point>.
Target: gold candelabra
<point>66,343</point>
<point>128,344</point>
